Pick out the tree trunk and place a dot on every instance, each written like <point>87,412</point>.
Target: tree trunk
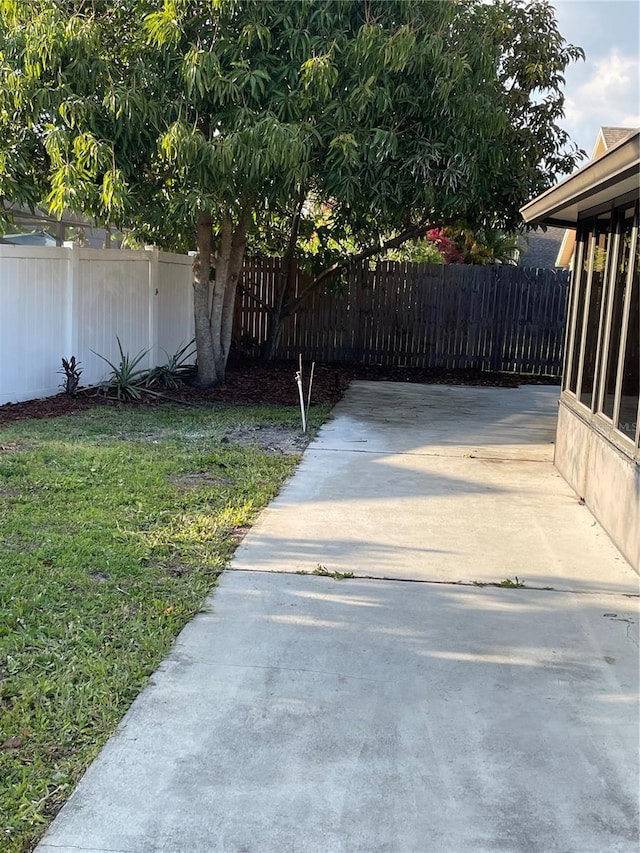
<point>233,238</point>
<point>207,375</point>
<point>214,301</point>
<point>236,259</point>
<point>276,323</point>
<point>217,300</point>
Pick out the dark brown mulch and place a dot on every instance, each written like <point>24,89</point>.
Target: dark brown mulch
<point>252,382</point>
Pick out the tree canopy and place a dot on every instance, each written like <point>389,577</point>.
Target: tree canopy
<point>211,121</point>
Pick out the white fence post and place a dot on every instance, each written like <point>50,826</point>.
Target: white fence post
<point>153,256</point>
<point>73,273</point>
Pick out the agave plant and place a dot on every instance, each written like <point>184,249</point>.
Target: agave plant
<point>126,380</point>
<point>177,368</point>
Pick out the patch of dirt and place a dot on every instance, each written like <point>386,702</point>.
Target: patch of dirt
<point>17,542</point>
<point>273,439</point>
<point>98,576</point>
<point>177,569</point>
<point>8,492</point>
<point>238,533</point>
<point>13,447</point>
<point>153,437</point>
<point>12,744</point>
<point>253,382</point>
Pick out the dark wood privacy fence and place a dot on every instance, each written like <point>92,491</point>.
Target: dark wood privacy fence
<point>420,315</point>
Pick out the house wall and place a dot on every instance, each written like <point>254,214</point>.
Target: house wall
<point>59,302</point>
<point>606,478</point>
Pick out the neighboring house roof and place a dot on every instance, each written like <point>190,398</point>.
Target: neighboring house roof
<point>541,248</point>
<point>613,175</point>
<point>611,136</point>
<point>33,238</point>
<point>92,237</point>
<point>608,138</point>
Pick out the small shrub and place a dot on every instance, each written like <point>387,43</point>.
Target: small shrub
<point>72,373</point>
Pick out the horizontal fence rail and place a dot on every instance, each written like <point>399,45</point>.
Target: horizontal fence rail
<point>496,317</point>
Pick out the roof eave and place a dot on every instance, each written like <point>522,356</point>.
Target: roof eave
<point>561,204</point>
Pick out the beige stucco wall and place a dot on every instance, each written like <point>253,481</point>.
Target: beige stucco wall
<point>607,479</point>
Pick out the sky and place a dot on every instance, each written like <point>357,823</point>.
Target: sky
<point>604,90</point>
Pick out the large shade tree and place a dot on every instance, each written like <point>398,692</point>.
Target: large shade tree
<point>207,122</point>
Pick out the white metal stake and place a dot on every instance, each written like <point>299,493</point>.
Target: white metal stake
<point>301,395</point>
<point>313,367</point>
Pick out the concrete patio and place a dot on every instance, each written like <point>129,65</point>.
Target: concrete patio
<point>437,483</point>
<point>412,708</point>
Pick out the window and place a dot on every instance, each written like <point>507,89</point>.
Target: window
<point>603,342</point>
<point>619,279</point>
<point>630,388</point>
<point>585,248</point>
<point>593,318</point>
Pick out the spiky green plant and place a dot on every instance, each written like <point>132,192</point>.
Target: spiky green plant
<point>177,368</point>
<point>126,380</point>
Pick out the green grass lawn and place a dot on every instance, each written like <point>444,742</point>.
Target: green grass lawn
<point>115,524</point>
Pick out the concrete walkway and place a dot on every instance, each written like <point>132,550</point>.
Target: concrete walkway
<point>408,709</point>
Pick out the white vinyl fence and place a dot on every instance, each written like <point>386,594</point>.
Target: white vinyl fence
<point>59,302</point>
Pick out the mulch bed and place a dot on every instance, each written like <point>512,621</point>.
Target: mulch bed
<point>253,382</point>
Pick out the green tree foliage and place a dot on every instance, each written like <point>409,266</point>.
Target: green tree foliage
<point>211,121</point>
<point>487,246</point>
<point>419,251</point>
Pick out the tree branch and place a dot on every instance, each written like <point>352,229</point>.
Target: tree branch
<point>280,308</point>
<point>287,268</point>
<point>392,243</point>
<point>255,298</point>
